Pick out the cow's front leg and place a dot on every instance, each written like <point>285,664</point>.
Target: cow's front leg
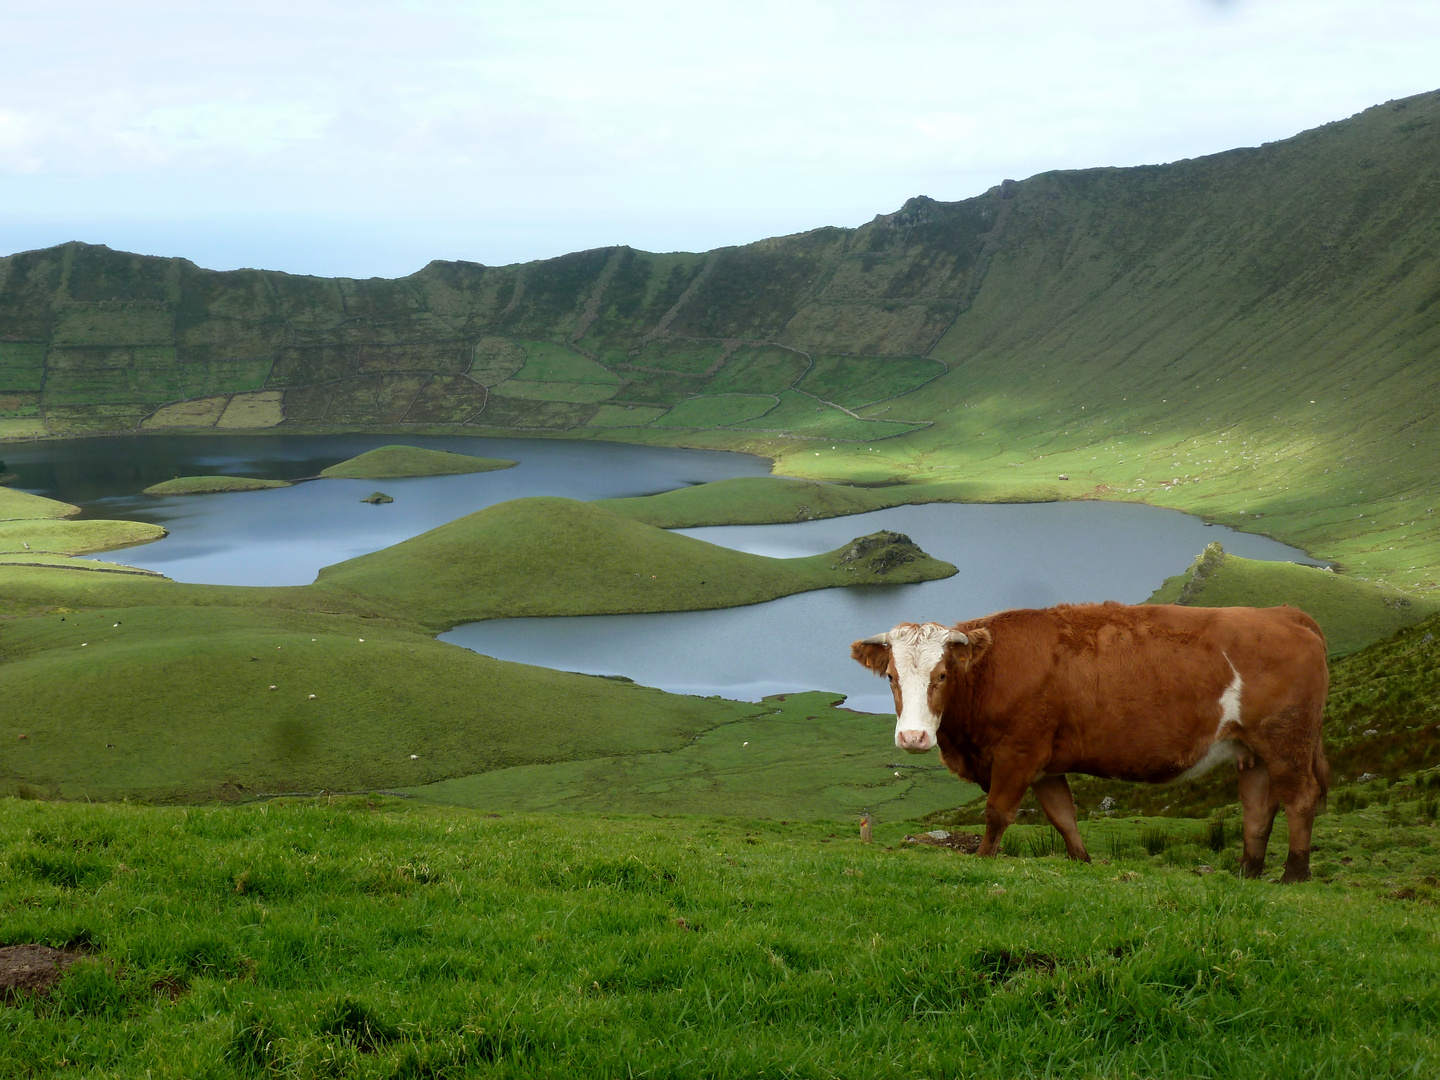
<point>1007,788</point>
<point>1053,793</point>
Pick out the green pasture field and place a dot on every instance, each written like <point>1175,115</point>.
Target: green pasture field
<point>797,757</point>
<point>680,356</point>
<point>809,416</point>
<point>369,938</point>
<point>61,536</point>
<point>766,370</point>
<point>210,485</point>
<point>717,410</point>
<point>546,390</point>
<point>548,362</point>
<point>625,415</point>
<point>388,462</point>
<point>174,702</point>
<point>22,506</point>
<point>857,381</point>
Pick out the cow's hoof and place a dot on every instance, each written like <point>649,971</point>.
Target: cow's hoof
<point>1297,868</point>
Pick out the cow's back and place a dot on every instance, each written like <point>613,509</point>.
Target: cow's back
<point>1137,691</point>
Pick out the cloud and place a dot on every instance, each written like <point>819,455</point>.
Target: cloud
<point>606,110</point>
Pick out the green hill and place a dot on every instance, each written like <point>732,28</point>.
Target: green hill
<point>1351,613</point>
<point>551,556</point>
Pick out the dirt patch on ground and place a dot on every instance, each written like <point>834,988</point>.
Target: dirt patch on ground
<point>966,842</point>
<point>31,969</point>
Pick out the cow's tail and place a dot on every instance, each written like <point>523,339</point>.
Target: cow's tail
<point>1321,768</point>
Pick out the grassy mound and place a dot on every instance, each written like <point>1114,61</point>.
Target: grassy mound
<point>770,500</point>
<point>21,505</point>
<point>57,536</point>
<point>1352,613</point>
<point>798,758</point>
<point>390,462</point>
<point>378,939</point>
<point>210,485</point>
<point>550,556</point>
<point>174,703</point>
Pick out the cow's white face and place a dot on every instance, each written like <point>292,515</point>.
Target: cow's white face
<point>918,675</point>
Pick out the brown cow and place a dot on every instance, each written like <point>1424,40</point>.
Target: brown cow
<point>1152,693</point>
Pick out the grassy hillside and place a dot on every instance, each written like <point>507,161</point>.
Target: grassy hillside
<point>176,703</point>
<point>386,462</point>
<point>1352,613</point>
<point>797,758</point>
<point>370,939</point>
<point>551,556</point>
<point>22,506</point>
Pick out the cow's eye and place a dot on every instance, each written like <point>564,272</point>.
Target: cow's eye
<point>940,677</point>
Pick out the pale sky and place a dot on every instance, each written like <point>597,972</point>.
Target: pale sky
<point>366,137</point>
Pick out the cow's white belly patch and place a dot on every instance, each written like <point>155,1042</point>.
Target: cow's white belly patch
<point>1221,749</point>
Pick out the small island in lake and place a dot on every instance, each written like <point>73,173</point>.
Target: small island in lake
<point>210,485</point>
<point>390,462</point>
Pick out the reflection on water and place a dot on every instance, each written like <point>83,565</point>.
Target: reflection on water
<point>1008,556</point>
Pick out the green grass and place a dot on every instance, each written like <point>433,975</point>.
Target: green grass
<point>372,939</point>
<point>679,356</point>
<point>21,506</point>
<point>797,758</point>
<point>540,390</point>
<point>388,462</point>
<point>716,411</point>
<point>1352,613</point>
<point>805,415</point>
<point>550,556</point>
<point>58,536</point>
<point>174,703</point>
<point>758,371</point>
<point>625,415</point>
<point>857,381</point>
<point>766,500</point>
<point>546,362</point>
<point>209,485</point>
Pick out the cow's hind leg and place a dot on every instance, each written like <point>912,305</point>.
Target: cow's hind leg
<point>1258,804</point>
<point>1300,792</point>
<point>1053,793</point>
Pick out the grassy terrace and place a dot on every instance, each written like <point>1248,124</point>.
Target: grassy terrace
<point>368,938</point>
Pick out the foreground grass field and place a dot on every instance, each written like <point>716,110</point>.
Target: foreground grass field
<point>386,940</point>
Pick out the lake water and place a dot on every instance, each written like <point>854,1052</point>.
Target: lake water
<point>284,536</point>
<point>1008,555</point>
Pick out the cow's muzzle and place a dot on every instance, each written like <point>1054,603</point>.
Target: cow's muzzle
<point>916,742</point>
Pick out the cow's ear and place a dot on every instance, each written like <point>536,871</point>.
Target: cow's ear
<point>967,655</point>
<point>875,657</point>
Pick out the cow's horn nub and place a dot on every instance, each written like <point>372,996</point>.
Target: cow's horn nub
<point>878,639</point>
<point>955,637</point>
